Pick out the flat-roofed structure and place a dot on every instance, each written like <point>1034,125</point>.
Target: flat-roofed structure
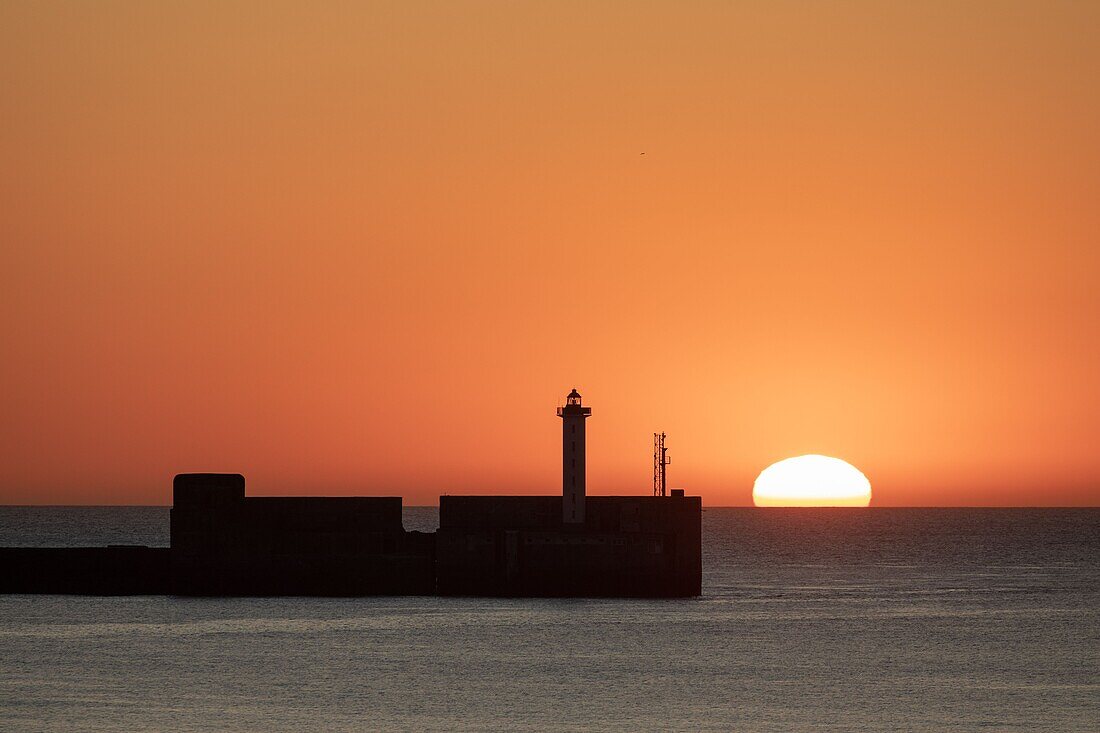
<point>224,543</point>
<point>628,546</point>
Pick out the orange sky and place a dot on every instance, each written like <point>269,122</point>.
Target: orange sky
<point>367,248</point>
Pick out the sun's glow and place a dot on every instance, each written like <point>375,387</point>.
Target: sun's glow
<point>811,480</point>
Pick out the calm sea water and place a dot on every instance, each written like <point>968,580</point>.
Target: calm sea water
<point>811,620</point>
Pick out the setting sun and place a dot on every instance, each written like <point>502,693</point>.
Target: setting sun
<point>811,480</point>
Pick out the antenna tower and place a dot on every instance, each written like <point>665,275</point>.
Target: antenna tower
<point>660,460</point>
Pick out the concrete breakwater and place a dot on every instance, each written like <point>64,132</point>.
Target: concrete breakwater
<point>224,543</point>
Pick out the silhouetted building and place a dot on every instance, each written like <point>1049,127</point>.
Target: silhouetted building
<point>518,546</point>
<point>595,546</point>
<point>224,543</point>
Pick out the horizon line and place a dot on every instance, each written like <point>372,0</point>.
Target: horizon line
<point>705,506</point>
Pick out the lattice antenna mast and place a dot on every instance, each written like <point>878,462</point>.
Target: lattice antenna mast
<point>660,460</point>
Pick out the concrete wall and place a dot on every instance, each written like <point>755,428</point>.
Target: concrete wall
<point>519,546</point>
<point>499,512</point>
<point>226,544</point>
<point>101,571</point>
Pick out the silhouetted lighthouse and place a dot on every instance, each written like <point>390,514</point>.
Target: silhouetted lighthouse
<point>572,458</point>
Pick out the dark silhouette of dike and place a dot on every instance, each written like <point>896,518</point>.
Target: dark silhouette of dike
<point>227,544</point>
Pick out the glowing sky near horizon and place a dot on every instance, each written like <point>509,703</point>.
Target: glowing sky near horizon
<point>368,247</point>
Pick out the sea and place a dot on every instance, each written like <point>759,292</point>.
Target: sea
<point>810,620</point>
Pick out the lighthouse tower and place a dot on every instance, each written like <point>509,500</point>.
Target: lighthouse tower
<point>572,458</point>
